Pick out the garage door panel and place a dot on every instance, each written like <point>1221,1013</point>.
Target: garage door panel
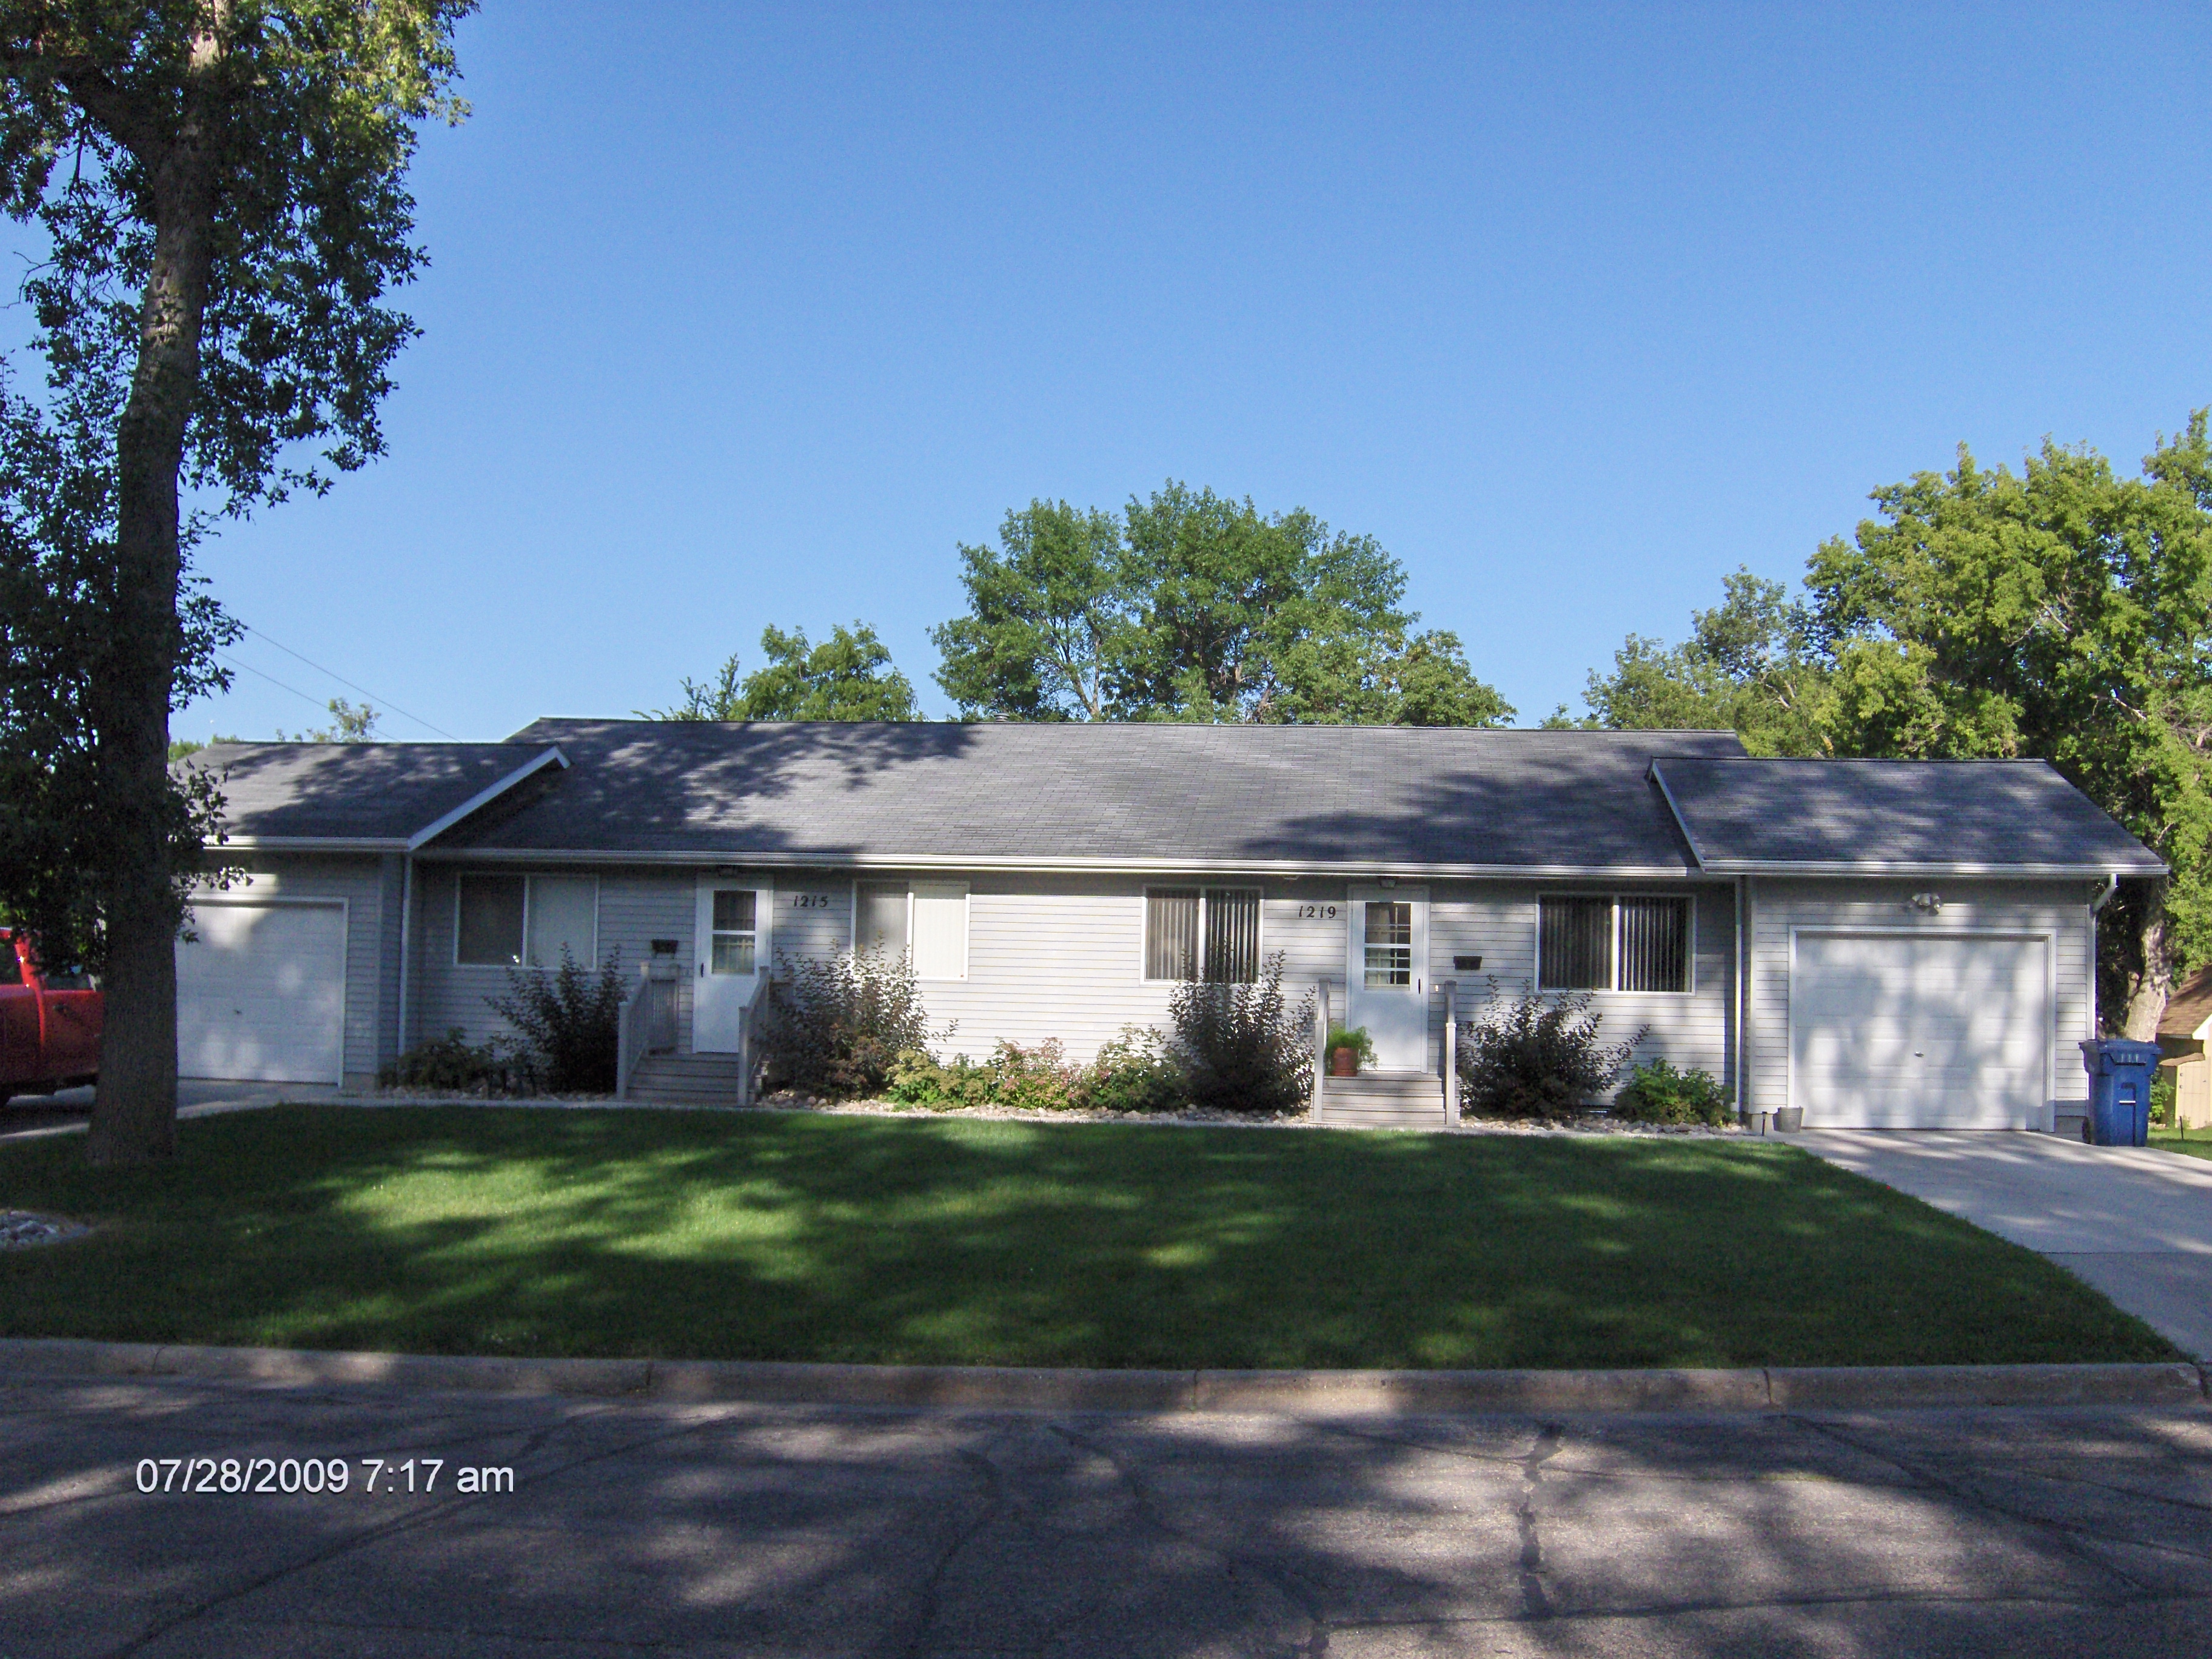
<point>261,993</point>
<point>1902,1031</point>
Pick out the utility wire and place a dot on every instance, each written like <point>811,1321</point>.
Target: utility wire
<point>273,680</point>
<point>344,681</point>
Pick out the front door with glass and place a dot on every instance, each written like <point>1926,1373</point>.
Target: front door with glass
<point>733,953</point>
<point>1386,976</point>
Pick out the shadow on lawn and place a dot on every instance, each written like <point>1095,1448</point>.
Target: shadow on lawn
<point>461,1230</point>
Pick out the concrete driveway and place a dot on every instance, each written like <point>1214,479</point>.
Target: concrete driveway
<point>747,1532</point>
<point>2135,1222</point>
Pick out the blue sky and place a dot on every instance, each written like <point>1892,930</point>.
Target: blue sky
<point>740,315</point>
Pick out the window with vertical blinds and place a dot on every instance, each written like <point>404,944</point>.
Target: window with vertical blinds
<point>1202,932</point>
<point>1612,944</point>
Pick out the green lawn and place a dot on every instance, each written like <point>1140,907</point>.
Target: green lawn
<point>2197,1143</point>
<point>468,1231</point>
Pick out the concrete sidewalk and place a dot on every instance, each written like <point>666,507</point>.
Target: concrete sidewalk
<point>2135,1222</point>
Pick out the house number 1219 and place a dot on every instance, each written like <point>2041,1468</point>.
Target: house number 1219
<point>1317,912</point>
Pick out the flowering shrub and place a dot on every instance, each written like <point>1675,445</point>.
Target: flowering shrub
<point>1538,1056</point>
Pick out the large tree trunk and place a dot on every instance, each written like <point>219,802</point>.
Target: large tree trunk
<point>135,1111</point>
<point>2152,983</point>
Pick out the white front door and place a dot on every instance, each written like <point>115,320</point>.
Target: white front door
<point>733,950</point>
<point>1387,975</point>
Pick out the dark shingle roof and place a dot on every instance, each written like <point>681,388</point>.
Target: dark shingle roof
<point>992,793</point>
<point>1906,815</point>
<point>377,792</point>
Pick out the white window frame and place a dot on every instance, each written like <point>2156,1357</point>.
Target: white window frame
<point>1144,917</point>
<point>528,878</point>
<point>1689,946</point>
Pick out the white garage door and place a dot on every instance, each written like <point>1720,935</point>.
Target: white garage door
<point>1919,1033</point>
<point>261,993</point>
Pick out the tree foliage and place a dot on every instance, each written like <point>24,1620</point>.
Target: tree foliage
<point>219,189</point>
<point>847,677</point>
<point>350,722</point>
<point>2061,612</point>
<point>1192,606</point>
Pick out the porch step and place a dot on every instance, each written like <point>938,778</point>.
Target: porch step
<point>1383,1100</point>
<point>687,1079</point>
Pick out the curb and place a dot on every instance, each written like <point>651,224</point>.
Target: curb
<point>24,1359</point>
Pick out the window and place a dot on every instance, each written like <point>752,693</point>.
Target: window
<point>1202,932</point>
<point>506,921</point>
<point>736,942</point>
<point>1390,942</point>
<point>928,920</point>
<point>1613,943</point>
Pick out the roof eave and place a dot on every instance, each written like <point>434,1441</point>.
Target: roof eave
<point>1949,868</point>
<point>831,859</point>
<point>484,797</point>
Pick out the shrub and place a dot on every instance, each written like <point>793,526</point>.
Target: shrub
<point>569,1020</point>
<point>836,1025</point>
<point>1537,1056</point>
<point>2164,1091</point>
<point>1658,1093</point>
<point>1242,1049</point>
<point>1133,1072</point>
<point>451,1065</point>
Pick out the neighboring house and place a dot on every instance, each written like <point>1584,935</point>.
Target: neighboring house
<point>2183,1031</point>
<point>1882,943</point>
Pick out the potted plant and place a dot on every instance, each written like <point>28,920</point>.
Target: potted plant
<point>1348,1049</point>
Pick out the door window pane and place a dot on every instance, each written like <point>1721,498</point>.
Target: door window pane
<point>1574,945</point>
<point>1654,944</point>
<point>564,915</point>
<point>1171,934</point>
<point>735,931</point>
<point>490,929</point>
<point>1232,935</point>
<point>941,930</point>
<point>879,919</point>
<point>1390,942</point>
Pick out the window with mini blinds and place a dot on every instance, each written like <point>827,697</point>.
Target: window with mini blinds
<point>514,921</point>
<point>1202,932</point>
<point>1612,942</point>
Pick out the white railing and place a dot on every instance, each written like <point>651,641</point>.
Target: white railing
<point>1451,1051</point>
<point>629,1031</point>
<point>1321,1039</point>
<point>748,1037</point>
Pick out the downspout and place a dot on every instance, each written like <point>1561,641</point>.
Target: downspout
<point>1742,1004</point>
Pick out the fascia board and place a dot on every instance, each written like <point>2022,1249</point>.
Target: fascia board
<point>1868,867</point>
<point>829,859</point>
<point>307,844</point>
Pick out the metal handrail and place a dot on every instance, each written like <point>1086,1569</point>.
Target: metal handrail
<point>629,1044</point>
<point>748,1020</point>
<point>1451,1051</point>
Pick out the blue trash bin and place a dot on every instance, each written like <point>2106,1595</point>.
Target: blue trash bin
<point>2119,1089</point>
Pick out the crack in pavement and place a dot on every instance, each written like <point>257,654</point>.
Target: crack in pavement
<point>930,1594</point>
<point>1535,1600</point>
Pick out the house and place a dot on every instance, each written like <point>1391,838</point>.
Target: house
<point>1889,944</point>
<point>2183,1030</point>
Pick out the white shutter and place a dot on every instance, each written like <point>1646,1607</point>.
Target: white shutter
<point>941,930</point>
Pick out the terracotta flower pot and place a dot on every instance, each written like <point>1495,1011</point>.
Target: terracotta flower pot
<point>1344,1062</point>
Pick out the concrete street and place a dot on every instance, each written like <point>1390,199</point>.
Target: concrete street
<point>743,1529</point>
<point>2135,1222</point>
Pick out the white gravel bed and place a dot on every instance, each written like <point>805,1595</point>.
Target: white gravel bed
<point>20,1229</point>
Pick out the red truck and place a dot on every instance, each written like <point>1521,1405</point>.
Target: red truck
<point>49,1023</point>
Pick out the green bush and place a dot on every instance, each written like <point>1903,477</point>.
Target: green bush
<point>1658,1093</point>
<point>1538,1056</point>
<point>1243,1049</point>
<point>1132,1073</point>
<point>2162,1091</point>
<point>570,1021</point>
<point>451,1065</point>
<point>838,1025</point>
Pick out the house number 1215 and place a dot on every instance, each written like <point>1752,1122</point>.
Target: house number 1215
<point>810,901</point>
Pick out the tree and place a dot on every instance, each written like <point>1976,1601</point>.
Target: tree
<point>1751,666</point>
<point>848,676</point>
<point>1191,606</point>
<point>349,723</point>
<point>220,188</point>
<point>2063,613</point>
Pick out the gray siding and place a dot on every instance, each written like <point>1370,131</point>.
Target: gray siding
<point>2057,909</point>
<point>360,882</point>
